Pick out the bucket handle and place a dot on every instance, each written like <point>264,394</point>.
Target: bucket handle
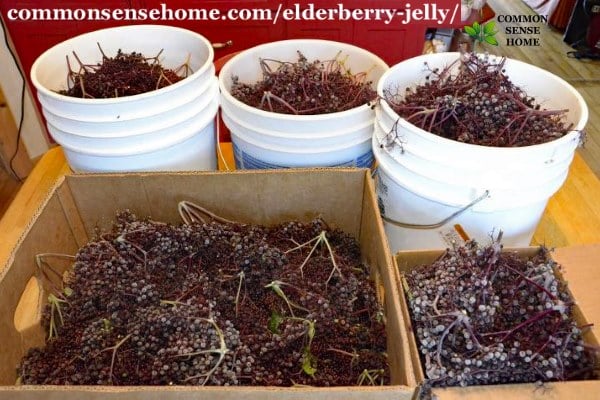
<point>437,224</point>
<point>441,223</point>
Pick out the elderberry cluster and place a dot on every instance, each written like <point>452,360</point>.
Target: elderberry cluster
<point>482,316</point>
<point>125,74</point>
<point>151,303</point>
<point>303,87</point>
<point>478,105</point>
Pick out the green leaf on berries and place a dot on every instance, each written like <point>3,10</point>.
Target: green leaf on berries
<point>309,363</point>
<point>491,40</point>
<point>106,325</point>
<point>275,321</point>
<point>476,27</point>
<point>311,331</point>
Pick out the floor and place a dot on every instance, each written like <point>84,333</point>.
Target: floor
<point>8,184</point>
<point>8,190</point>
<point>584,75</point>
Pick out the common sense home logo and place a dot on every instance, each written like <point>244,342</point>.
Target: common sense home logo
<point>518,30</point>
<point>483,33</point>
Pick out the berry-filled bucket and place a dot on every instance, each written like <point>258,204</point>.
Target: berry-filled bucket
<point>270,139</point>
<point>122,125</point>
<point>429,183</point>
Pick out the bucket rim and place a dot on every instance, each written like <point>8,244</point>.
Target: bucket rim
<point>197,74</point>
<point>410,148</point>
<point>225,91</point>
<point>85,117</point>
<point>203,105</point>
<point>320,150</point>
<point>296,135</point>
<point>574,133</point>
<point>205,122</point>
<point>386,167</point>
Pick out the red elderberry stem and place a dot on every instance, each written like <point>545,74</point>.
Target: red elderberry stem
<point>269,95</point>
<point>530,281</point>
<point>535,318</point>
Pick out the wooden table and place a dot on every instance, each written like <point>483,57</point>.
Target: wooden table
<point>571,218</point>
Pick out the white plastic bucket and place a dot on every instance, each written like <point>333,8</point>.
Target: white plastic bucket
<point>424,178</point>
<point>298,140</point>
<point>122,144</point>
<point>452,181</point>
<point>356,154</point>
<point>136,126</point>
<point>301,140</point>
<point>126,133</point>
<point>190,148</point>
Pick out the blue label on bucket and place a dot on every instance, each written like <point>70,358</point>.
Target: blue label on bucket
<point>244,160</point>
<point>366,160</point>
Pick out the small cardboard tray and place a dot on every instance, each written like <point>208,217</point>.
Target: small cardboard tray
<point>580,270</point>
<point>79,204</point>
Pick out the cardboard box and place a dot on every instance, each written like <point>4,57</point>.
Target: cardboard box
<point>580,270</point>
<point>79,204</point>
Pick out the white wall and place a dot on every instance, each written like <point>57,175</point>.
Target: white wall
<point>32,132</point>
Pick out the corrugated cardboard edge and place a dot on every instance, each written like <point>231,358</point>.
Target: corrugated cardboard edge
<point>70,213</point>
<point>576,260</point>
<point>27,228</point>
<point>205,392</point>
<point>587,390</point>
<point>395,316</point>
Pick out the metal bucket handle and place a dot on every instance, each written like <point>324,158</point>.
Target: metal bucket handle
<point>443,222</point>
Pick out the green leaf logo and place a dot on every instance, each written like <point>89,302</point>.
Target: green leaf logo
<point>489,28</point>
<point>470,31</point>
<point>483,33</point>
<point>491,40</point>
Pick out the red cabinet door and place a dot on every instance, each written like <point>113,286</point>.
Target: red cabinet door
<point>245,28</point>
<point>391,44</point>
<point>335,30</point>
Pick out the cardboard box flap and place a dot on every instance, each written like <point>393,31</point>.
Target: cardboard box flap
<point>398,353</point>
<point>581,271</point>
<point>257,197</point>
